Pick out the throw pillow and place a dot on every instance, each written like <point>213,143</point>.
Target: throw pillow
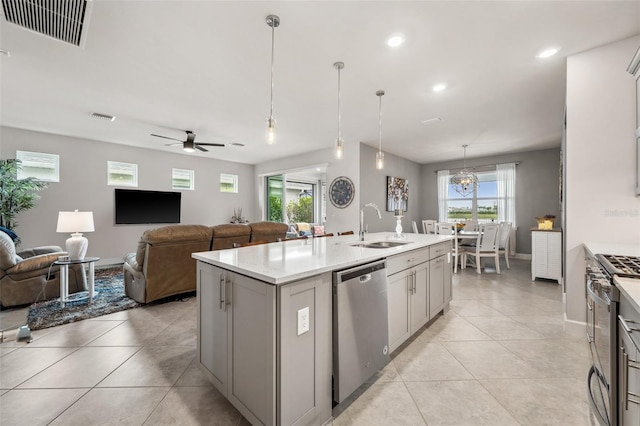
<point>9,232</point>
<point>318,230</point>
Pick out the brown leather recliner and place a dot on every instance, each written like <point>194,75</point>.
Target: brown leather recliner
<point>27,276</point>
<point>225,236</point>
<point>162,265</point>
<point>269,231</point>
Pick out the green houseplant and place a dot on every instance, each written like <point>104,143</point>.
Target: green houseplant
<point>16,195</point>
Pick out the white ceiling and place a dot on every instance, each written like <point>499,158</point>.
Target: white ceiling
<point>164,67</point>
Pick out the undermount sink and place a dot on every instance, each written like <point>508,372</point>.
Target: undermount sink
<point>380,244</point>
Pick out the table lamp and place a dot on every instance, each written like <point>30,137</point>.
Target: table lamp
<point>76,223</point>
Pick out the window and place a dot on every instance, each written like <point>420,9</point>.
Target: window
<point>38,165</point>
<point>228,183</point>
<point>122,174</point>
<point>482,205</point>
<point>297,196</point>
<point>492,200</point>
<point>183,179</point>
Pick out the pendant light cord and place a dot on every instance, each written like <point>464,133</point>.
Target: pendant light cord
<point>380,123</point>
<point>339,136</point>
<point>273,36</point>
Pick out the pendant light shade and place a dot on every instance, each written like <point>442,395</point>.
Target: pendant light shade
<point>339,142</point>
<point>273,21</point>
<point>465,181</point>
<point>380,154</point>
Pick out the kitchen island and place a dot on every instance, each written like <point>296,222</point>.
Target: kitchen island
<point>265,316</point>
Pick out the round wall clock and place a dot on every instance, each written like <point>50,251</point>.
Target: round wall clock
<point>341,192</point>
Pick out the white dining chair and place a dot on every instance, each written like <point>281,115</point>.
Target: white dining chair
<point>429,226</point>
<point>414,226</point>
<point>450,229</point>
<point>503,241</point>
<point>486,246</point>
<point>470,225</point>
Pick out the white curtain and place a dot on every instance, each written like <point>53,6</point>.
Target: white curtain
<point>506,177</point>
<point>443,186</point>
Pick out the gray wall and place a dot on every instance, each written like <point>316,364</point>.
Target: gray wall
<point>83,186</point>
<point>373,189</point>
<point>537,180</point>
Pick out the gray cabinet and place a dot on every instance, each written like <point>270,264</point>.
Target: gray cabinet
<point>237,340</point>
<point>250,348</point>
<point>628,380</point>
<point>437,285</point>
<point>634,69</point>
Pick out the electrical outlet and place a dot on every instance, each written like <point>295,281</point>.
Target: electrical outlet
<point>303,320</point>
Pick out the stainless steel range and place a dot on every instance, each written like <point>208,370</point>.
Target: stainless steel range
<point>602,324</point>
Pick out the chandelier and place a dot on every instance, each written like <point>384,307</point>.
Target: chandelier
<point>465,181</point>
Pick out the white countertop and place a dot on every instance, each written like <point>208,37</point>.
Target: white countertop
<point>610,248</point>
<point>286,261</point>
<point>630,289</point>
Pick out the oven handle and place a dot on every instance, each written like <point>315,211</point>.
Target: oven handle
<point>597,298</point>
<point>602,420</point>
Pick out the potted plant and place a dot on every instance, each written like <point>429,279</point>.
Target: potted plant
<point>16,195</point>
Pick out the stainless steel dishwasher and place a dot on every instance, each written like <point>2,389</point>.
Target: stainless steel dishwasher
<point>360,326</point>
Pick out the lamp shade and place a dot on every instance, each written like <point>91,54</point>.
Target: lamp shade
<point>75,222</point>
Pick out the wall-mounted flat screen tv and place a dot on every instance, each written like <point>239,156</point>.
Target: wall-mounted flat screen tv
<point>135,206</point>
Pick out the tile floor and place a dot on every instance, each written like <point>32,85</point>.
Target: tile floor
<point>500,356</point>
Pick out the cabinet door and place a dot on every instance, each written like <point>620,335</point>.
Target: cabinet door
<point>419,296</point>
<point>628,380</point>
<point>252,349</point>
<point>539,254</point>
<point>398,305</point>
<point>554,255</point>
<point>212,325</point>
<point>436,285</point>
<point>305,356</point>
<point>448,278</point>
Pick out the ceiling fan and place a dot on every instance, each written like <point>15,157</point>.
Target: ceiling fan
<point>189,145</point>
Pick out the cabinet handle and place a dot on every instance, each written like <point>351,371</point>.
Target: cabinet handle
<point>410,282</point>
<point>413,259</point>
<point>625,376</point>
<point>221,291</point>
<point>413,278</point>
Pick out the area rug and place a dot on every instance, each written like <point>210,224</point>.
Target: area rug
<point>109,283</point>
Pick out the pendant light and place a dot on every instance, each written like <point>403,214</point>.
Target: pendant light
<point>339,141</point>
<point>465,181</point>
<point>380,154</point>
<point>273,21</point>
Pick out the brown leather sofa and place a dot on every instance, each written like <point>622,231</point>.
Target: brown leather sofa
<point>27,276</point>
<point>162,266</point>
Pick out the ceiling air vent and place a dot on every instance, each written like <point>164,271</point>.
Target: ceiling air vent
<point>65,20</point>
<point>103,116</point>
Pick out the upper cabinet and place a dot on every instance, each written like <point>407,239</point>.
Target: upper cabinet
<point>634,69</point>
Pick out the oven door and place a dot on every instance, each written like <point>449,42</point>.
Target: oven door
<point>601,317</point>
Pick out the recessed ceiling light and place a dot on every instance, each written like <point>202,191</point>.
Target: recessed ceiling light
<point>431,120</point>
<point>5,52</point>
<point>395,40</point>
<point>439,87</point>
<point>547,52</point>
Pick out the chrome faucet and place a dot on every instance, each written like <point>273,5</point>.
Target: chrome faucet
<point>362,228</point>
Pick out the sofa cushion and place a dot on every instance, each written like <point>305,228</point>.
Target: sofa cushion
<point>177,233</point>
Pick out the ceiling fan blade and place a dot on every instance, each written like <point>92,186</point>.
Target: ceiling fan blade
<point>165,137</point>
<point>210,144</point>
<point>197,146</point>
<point>174,144</point>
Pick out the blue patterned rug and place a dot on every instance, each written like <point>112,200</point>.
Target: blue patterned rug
<point>109,283</point>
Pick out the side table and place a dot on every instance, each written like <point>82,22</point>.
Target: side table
<point>64,277</point>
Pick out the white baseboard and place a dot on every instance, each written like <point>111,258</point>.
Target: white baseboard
<point>103,263</point>
<point>523,256</point>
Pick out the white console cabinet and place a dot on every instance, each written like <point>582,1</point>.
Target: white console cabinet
<point>546,254</point>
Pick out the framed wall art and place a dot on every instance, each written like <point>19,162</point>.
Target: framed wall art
<point>397,194</point>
